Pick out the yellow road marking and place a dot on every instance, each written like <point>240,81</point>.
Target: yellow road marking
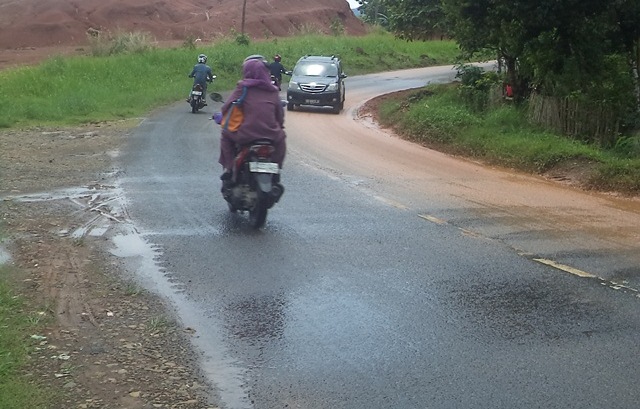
<point>392,203</point>
<point>432,219</point>
<point>566,268</point>
<point>470,233</point>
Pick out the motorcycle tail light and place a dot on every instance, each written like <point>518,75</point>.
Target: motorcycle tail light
<point>264,151</point>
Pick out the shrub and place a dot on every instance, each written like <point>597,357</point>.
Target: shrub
<point>189,43</point>
<point>103,45</point>
<point>628,147</point>
<point>336,27</point>
<point>242,39</point>
<point>476,85</point>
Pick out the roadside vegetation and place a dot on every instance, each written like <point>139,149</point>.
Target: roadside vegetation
<point>569,71</point>
<point>16,326</point>
<point>480,123</point>
<point>127,77</point>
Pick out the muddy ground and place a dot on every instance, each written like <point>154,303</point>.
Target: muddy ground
<point>105,342</point>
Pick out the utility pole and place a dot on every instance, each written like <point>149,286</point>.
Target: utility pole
<point>244,8</point>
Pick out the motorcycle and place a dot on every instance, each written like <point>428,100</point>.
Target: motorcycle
<point>276,82</point>
<point>196,98</point>
<point>254,186</point>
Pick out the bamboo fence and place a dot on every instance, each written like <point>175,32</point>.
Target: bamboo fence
<point>573,118</point>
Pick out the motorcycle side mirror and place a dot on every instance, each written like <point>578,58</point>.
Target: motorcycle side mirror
<point>216,97</point>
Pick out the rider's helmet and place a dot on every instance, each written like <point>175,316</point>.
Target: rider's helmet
<point>249,62</point>
<point>256,57</point>
<point>277,58</point>
<point>202,59</point>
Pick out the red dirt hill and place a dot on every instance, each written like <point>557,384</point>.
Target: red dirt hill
<point>46,23</point>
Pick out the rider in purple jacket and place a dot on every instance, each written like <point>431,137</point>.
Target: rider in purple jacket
<point>263,114</point>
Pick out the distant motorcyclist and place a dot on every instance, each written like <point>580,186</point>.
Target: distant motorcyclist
<point>201,74</point>
<point>277,69</point>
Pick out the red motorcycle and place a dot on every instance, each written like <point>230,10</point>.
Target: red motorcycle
<point>254,186</point>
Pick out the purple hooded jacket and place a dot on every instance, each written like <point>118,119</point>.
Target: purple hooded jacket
<point>263,114</point>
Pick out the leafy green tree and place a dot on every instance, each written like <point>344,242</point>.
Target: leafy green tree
<point>492,27</point>
<point>373,12</point>
<point>415,19</point>
<point>558,45</point>
<point>583,49</point>
<point>627,18</point>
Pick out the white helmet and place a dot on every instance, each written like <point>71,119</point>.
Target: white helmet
<point>202,59</point>
<point>256,57</point>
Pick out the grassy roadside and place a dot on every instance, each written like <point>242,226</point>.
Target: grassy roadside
<point>437,116</point>
<point>86,89</point>
<point>17,389</point>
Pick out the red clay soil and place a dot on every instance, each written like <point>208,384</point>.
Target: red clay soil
<point>33,29</point>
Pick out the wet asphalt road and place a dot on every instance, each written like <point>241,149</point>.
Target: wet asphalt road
<point>348,301</point>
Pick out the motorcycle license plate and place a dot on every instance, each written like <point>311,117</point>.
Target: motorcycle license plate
<point>312,101</point>
<point>263,167</point>
<point>196,92</point>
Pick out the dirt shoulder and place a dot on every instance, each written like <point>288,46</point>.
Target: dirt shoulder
<point>575,173</point>
<point>108,343</point>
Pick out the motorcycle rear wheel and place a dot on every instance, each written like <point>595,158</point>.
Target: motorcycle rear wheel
<point>258,215</point>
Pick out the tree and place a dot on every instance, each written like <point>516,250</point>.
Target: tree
<point>626,15</point>
<point>490,27</point>
<point>373,11</point>
<point>561,47</point>
<point>415,19</point>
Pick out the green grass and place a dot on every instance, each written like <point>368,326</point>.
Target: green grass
<point>436,116</point>
<point>65,91</point>
<point>17,391</point>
